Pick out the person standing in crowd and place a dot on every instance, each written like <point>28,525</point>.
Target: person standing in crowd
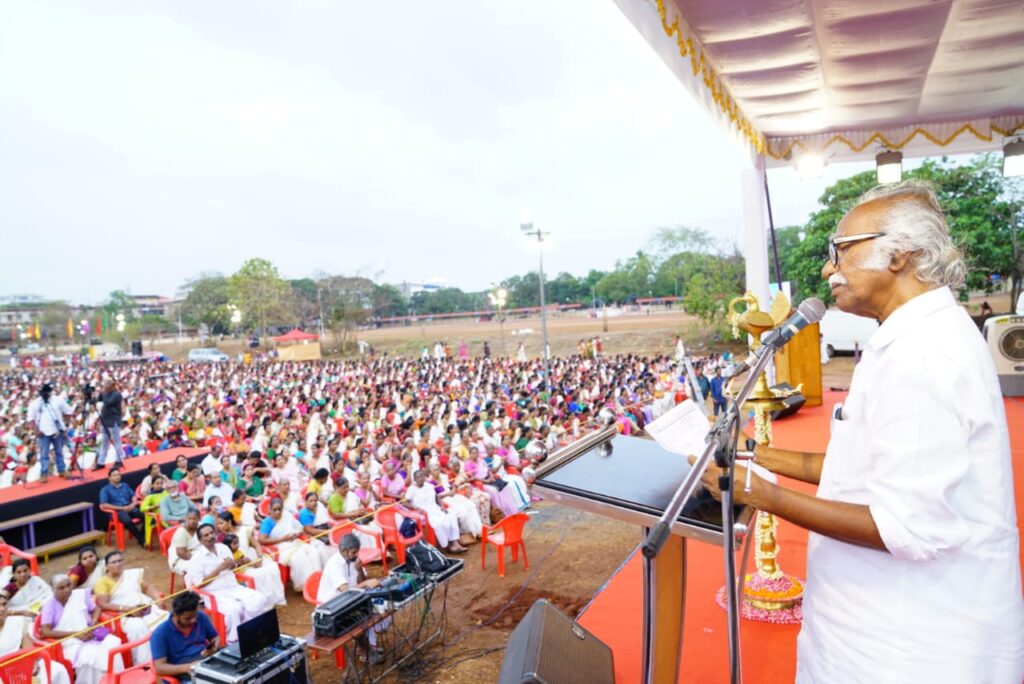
<point>110,401</point>
<point>47,413</point>
<point>913,572</point>
<point>717,387</point>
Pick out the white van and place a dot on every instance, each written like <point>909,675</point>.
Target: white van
<point>843,331</point>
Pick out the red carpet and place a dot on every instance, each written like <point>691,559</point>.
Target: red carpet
<point>131,466</point>
<point>768,651</point>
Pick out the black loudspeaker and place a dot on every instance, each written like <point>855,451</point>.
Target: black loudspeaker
<point>793,403</point>
<point>136,347</point>
<point>548,647</point>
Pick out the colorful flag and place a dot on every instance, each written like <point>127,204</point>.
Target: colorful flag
<point>99,326</point>
<point>71,330</point>
<point>39,333</point>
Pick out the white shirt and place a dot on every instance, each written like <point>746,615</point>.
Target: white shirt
<point>203,562</point>
<point>923,442</point>
<point>211,464</point>
<point>337,571</point>
<point>224,491</point>
<point>48,417</point>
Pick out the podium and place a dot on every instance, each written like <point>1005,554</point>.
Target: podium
<point>632,479</point>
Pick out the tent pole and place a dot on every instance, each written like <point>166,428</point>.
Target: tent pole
<point>771,231</point>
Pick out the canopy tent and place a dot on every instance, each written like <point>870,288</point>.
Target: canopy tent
<point>296,335</point>
<point>298,346</point>
<point>845,79</point>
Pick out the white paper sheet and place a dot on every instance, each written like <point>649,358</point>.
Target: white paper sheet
<point>681,430</point>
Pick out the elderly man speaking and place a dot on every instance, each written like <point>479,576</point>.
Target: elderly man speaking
<point>913,573</point>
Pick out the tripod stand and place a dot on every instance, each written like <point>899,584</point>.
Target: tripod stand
<point>78,440</point>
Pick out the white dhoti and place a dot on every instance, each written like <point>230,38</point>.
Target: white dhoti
<point>237,604</point>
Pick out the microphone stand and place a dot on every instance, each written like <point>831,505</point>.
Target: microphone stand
<point>722,442</point>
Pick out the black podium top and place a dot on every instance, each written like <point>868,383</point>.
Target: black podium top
<point>633,479</point>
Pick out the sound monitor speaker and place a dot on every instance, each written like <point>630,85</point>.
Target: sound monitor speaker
<point>136,347</point>
<point>548,647</point>
<point>793,403</point>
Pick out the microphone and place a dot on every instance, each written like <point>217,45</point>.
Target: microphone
<point>809,311</point>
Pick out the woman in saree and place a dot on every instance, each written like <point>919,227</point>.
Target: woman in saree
<point>284,532</point>
<point>250,482</point>
<point>14,636</point>
<point>461,482</point>
<point>193,485</point>
<point>264,572</point>
<point>25,593</point>
<point>73,613</point>
<point>243,510</point>
<point>180,469</point>
<point>89,569</point>
<point>465,510</point>
<point>125,590</point>
<point>316,521</point>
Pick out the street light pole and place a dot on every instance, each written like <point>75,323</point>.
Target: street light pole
<point>498,298</point>
<point>320,306</point>
<point>526,225</point>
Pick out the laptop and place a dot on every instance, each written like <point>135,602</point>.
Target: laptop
<point>254,636</point>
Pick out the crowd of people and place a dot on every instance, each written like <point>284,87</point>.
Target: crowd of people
<point>295,449</point>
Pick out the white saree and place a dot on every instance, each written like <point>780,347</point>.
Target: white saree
<point>89,658</point>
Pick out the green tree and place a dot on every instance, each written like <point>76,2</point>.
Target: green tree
<point>631,279</point>
<point>983,210</point>
<point>261,295</point>
<point>119,302</point>
<point>348,304</point>
<point>709,289</point>
<point>206,303</point>
<point>388,301</point>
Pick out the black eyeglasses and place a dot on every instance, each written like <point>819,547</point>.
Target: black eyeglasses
<point>833,242</point>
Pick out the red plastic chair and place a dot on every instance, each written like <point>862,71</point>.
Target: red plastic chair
<point>311,587</point>
<point>272,551</point>
<point>125,651</point>
<point>115,526</point>
<point>264,507</point>
<point>16,668</point>
<point>165,547</point>
<point>216,617</point>
<point>6,551</point>
<point>508,532</point>
<point>385,518</point>
<point>424,523</point>
<point>55,650</point>
<point>367,554</point>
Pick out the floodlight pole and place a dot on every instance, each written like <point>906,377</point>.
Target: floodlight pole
<point>528,229</point>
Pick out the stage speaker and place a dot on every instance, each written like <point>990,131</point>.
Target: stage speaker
<point>793,403</point>
<point>136,347</point>
<point>548,647</point>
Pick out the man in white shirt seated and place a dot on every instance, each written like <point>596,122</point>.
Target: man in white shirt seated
<point>217,487</point>
<point>211,462</point>
<point>212,568</point>
<point>344,571</point>
<point>183,542</point>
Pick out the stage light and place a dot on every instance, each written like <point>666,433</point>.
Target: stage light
<point>810,165</point>
<point>889,165</point>
<point>1013,158</point>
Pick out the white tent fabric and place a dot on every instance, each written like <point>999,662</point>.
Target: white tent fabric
<point>847,77</point>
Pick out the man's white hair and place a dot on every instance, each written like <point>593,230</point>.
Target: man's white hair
<point>913,222</point>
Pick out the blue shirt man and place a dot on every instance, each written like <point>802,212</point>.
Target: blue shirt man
<point>183,639</point>
<point>717,384</point>
<point>121,499</point>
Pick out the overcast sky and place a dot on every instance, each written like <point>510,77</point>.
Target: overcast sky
<point>144,143</point>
